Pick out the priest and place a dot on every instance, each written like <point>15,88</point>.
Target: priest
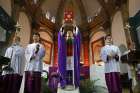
<point>64,57</point>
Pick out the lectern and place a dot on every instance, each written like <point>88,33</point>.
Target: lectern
<point>132,58</point>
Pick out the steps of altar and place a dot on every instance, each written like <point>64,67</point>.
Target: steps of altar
<point>68,89</point>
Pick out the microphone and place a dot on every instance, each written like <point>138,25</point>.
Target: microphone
<point>37,48</point>
<point>116,57</point>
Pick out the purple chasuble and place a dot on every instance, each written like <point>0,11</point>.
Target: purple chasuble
<point>77,43</point>
<point>62,58</point>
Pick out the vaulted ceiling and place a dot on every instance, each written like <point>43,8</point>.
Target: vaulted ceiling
<point>99,11</point>
<point>88,8</point>
<point>91,6</point>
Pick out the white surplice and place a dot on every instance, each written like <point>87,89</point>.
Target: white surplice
<point>34,64</point>
<point>111,65</point>
<point>16,54</point>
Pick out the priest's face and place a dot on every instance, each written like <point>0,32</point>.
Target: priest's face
<point>36,38</point>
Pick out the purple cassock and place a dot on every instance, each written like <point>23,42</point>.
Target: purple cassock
<point>32,82</point>
<point>113,82</point>
<point>10,83</point>
<point>62,58</point>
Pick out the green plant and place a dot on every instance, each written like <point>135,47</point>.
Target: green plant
<point>45,87</point>
<point>87,86</point>
<point>137,88</point>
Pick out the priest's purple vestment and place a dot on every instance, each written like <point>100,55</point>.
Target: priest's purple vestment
<point>62,58</point>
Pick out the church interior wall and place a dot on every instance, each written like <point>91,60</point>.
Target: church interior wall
<point>25,31</point>
<point>92,7</point>
<point>6,5</point>
<point>96,71</point>
<point>118,35</point>
<point>134,7</point>
<point>47,37</point>
<point>48,8</point>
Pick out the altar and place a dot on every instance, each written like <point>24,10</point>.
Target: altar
<point>60,90</point>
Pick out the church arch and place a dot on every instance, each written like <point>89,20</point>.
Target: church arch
<point>118,35</point>
<point>45,36</point>
<point>25,31</point>
<point>48,44</point>
<point>96,41</point>
<point>97,69</point>
<point>117,29</point>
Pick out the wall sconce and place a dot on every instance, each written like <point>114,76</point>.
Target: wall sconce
<point>89,19</point>
<point>127,26</point>
<point>48,15</point>
<point>53,19</point>
<point>35,1</point>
